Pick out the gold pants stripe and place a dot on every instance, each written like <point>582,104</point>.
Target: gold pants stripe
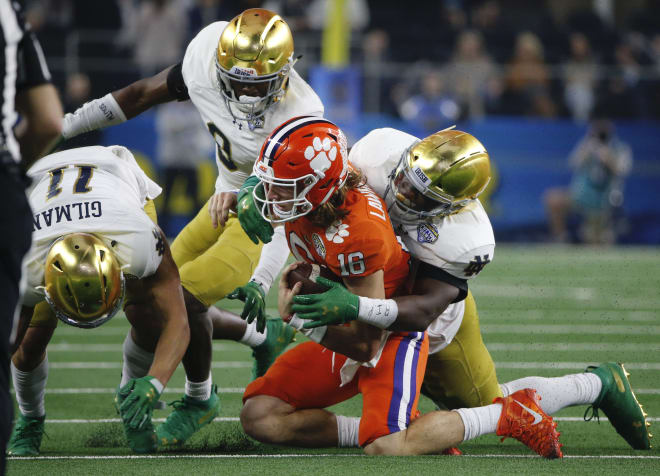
<point>462,375</point>
<point>214,261</point>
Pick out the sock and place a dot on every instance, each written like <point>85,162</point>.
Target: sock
<point>30,388</point>
<point>251,336</point>
<point>199,390</point>
<point>348,429</point>
<point>559,392</point>
<point>137,361</point>
<point>480,420</point>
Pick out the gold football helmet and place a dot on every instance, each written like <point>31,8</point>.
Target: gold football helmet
<point>253,61</point>
<point>437,176</point>
<point>84,284</point>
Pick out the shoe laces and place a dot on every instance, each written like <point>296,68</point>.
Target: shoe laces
<point>594,413</point>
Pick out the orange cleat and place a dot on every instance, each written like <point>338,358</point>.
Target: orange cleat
<point>452,451</point>
<point>523,419</point>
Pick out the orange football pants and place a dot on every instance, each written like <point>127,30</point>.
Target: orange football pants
<point>308,376</point>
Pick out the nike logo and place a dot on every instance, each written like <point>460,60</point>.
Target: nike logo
<point>537,416</point>
<point>206,418</point>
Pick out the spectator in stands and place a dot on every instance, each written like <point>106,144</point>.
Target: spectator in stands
<point>293,11</point>
<point>527,81</point>
<point>157,29</point>
<point>600,163</point>
<point>580,75</point>
<point>204,12</point>
<point>472,75</point>
<point>433,108</point>
<point>623,94</point>
<point>498,34</point>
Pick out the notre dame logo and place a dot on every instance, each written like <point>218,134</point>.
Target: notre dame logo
<point>476,265</point>
<point>160,245</point>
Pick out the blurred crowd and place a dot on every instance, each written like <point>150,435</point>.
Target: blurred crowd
<point>431,62</point>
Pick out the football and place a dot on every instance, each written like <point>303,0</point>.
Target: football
<point>307,274</point>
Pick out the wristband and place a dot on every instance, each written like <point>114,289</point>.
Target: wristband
<point>316,334</point>
<point>156,383</point>
<point>377,312</point>
<point>93,115</point>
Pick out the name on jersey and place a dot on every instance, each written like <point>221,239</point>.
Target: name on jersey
<point>66,213</point>
<point>375,204</point>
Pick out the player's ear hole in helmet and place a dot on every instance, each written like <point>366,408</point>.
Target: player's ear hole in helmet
<point>83,280</point>
<point>302,167</point>
<point>437,176</point>
<point>253,60</point>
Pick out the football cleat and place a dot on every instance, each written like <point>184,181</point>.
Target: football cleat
<point>279,336</point>
<point>26,438</point>
<point>523,419</point>
<point>620,405</point>
<point>189,416</point>
<point>453,451</point>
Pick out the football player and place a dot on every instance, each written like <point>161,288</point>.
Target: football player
<point>331,219</point>
<point>240,77</point>
<point>96,239</point>
<point>430,187</point>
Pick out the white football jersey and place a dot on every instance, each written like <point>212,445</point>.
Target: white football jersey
<point>99,190</point>
<point>237,147</point>
<point>460,244</point>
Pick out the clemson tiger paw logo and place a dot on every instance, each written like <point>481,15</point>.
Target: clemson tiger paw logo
<point>321,154</point>
<point>337,232</point>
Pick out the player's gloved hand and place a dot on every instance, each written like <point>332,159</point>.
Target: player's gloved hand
<point>337,305</point>
<point>138,398</point>
<point>254,297</point>
<point>249,217</point>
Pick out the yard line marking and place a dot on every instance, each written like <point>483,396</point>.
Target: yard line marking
<point>569,365</point>
<point>564,347</point>
<point>296,455</point>
<point>95,390</point>
<point>241,364</point>
<point>226,419</point>
<point>102,390</point>
<point>118,365</point>
<point>534,292</point>
<point>565,329</point>
<point>116,347</point>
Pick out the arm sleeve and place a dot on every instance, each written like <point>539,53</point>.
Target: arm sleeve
<point>32,67</point>
<point>176,85</point>
<point>272,260</point>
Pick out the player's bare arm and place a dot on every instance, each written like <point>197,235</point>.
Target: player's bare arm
<point>145,93</point>
<point>163,290</point>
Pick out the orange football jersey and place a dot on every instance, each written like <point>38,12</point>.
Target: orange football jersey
<point>360,244</point>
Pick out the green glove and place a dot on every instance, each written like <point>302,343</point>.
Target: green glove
<point>337,305</point>
<point>137,398</point>
<point>249,216</point>
<point>254,297</point>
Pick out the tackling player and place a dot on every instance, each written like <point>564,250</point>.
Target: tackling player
<point>240,77</point>
<point>95,237</point>
<point>430,186</point>
<point>333,220</point>
<point>431,193</point>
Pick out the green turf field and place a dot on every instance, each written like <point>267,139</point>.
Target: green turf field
<point>544,311</point>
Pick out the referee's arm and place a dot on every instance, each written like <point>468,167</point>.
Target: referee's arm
<point>37,102</point>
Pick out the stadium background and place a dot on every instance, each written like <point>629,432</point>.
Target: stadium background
<point>544,310</point>
<point>370,61</point>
